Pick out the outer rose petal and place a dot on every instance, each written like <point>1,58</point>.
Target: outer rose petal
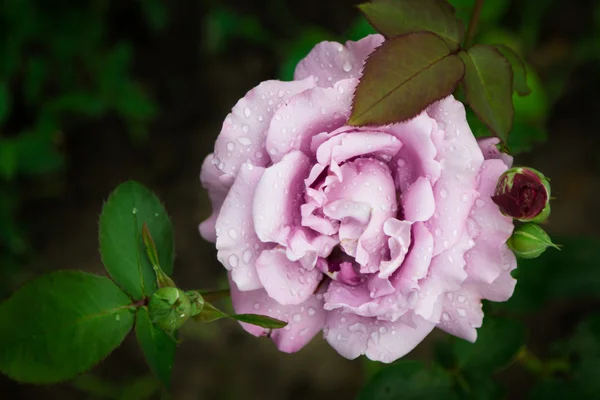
<point>461,314</point>
<point>242,137</point>
<point>305,115</point>
<point>304,320</point>
<point>217,191</point>
<point>279,194</point>
<point>330,62</point>
<point>286,281</point>
<point>237,244</point>
<point>460,157</point>
<point>352,335</point>
<point>488,227</point>
<point>491,152</point>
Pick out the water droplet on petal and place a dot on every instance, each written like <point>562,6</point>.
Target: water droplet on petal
<point>244,141</point>
<point>461,312</point>
<point>444,193</point>
<point>245,128</point>
<point>311,311</point>
<point>233,261</point>
<point>247,256</point>
<point>233,234</point>
<point>247,112</point>
<point>347,67</point>
<point>297,317</point>
<point>230,146</point>
<point>445,316</point>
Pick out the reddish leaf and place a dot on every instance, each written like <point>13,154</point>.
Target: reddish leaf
<point>402,77</point>
<point>398,17</point>
<point>519,69</point>
<point>488,87</point>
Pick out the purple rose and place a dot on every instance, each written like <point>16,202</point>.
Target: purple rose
<point>374,235</point>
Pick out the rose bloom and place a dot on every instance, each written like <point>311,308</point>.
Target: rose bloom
<point>373,235</point>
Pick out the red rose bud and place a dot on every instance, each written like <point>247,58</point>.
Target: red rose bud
<point>524,194</point>
<point>529,241</point>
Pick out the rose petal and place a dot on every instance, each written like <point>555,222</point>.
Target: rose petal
<point>418,203</point>
<point>237,243</point>
<point>286,281</point>
<point>279,194</point>
<point>398,243</point>
<point>461,158</point>
<point>485,261</point>
<point>217,191</point>
<point>461,314</point>
<point>330,62</point>
<point>417,157</point>
<point>242,137</point>
<point>384,341</point>
<point>304,320</point>
<point>307,114</point>
<point>490,151</point>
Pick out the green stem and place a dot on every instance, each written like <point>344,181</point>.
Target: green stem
<point>473,22</point>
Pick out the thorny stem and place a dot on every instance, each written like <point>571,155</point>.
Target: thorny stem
<point>473,23</point>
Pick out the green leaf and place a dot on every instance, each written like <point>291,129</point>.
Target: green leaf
<point>120,233</point>
<point>60,325</point>
<point>518,67</point>
<point>158,347</point>
<point>210,313</point>
<point>409,380</point>
<point>402,77</point>
<point>260,320</point>
<point>491,12</point>
<point>394,18</point>
<point>497,343</point>
<point>488,88</point>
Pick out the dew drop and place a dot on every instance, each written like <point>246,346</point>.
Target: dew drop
<point>233,261</point>
<point>247,112</point>
<point>444,193</point>
<point>260,118</point>
<point>311,311</point>
<point>445,316</point>
<point>256,306</point>
<point>244,141</point>
<point>230,146</point>
<point>464,197</point>
<point>347,67</point>
<point>340,89</point>
<point>461,298</point>
<point>247,256</point>
<point>401,162</point>
<point>297,317</point>
<point>461,312</point>
<point>245,128</point>
<point>134,211</point>
<point>233,234</point>
<point>117,317</point>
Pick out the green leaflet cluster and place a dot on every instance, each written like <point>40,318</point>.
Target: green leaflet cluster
<point>426,57</point>
<point>64,323</point>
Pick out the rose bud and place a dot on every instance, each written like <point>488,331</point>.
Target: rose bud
<point>529,241</point>
<point>169,308</point>
<point>523,194</point>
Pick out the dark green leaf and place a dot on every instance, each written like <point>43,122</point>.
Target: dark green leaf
<point>488,88</point>
<point>402,77</point>
<point>409,380</point>
<point>394,18</point>
<point>158,346</point>
<point>60,325</point>
<point>497,343</point>
<point>260,320</point>
<point>214,295</point>
<point>123,252</point>
<point>491,11</point>
<point>518,67</point>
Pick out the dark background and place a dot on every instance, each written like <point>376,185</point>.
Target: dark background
<point>192,60</point>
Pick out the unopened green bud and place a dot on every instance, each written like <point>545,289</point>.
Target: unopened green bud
<point>529,241</point>
<point>169,308</point>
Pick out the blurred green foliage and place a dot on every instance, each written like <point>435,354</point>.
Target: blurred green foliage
<point>59,68</point>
